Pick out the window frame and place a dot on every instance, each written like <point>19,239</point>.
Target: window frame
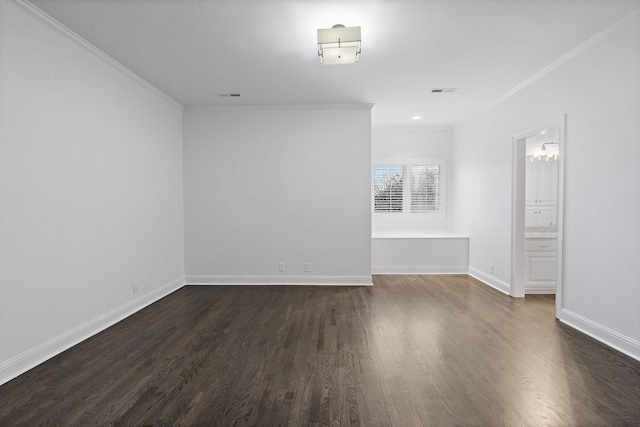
<point>406,216</point>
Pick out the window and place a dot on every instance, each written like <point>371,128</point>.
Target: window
<point>388,185</point>
<point>426,188</point>
<point>409,190</point>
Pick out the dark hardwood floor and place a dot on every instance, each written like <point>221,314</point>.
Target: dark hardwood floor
<point>409,351</point>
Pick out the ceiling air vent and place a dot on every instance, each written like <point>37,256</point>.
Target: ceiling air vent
<point>232,95</point>
<point>443,89</point>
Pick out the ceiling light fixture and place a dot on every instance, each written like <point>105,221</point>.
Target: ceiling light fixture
<point>543,154</point>
<point>416,117</point>
<point>339,45</point>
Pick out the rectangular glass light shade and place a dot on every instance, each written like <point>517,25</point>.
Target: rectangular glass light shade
<point>339,55</point>
<point>339,45</point>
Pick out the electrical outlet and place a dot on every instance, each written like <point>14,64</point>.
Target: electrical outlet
<point>281,267</point>
<point>136,287</point>
<point>307,267</point>
<point>146,283</point>
<point>491,269</point>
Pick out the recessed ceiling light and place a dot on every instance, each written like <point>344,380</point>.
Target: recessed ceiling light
<point>416,117</point>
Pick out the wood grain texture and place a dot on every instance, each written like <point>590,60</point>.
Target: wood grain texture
<point>409,351</point>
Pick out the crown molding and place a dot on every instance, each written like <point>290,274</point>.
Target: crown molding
<point>410,128</point>
<point>56,26</point>
<point>280,107</point>
<point>555,64</point>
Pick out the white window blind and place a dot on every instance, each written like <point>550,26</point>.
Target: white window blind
<point>427,190</point>
<point>389,188</point>
<point>411,190</point>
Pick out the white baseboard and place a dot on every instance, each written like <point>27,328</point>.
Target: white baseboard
<point>497,284</point>
<point>281,280</point>
<point>540,291</point>
<point>35,356</point>
<point>420,269</point>
<point>613,339</point>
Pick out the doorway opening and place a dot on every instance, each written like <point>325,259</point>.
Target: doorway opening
<point>538,182</point>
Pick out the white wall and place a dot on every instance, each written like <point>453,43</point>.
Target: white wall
<point>264,186</point>
<point>599,90</point>
<point>420,255</point>
<point>90,192</point>
<point>412,142</point>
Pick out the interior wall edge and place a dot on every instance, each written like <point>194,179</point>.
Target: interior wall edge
<point>613,339</point>
<point>43,352</point>
<point>56,26</point>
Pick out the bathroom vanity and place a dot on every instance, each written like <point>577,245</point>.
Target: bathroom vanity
<point>540,260</point>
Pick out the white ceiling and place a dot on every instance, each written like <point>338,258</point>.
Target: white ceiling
<point>194,50</point>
